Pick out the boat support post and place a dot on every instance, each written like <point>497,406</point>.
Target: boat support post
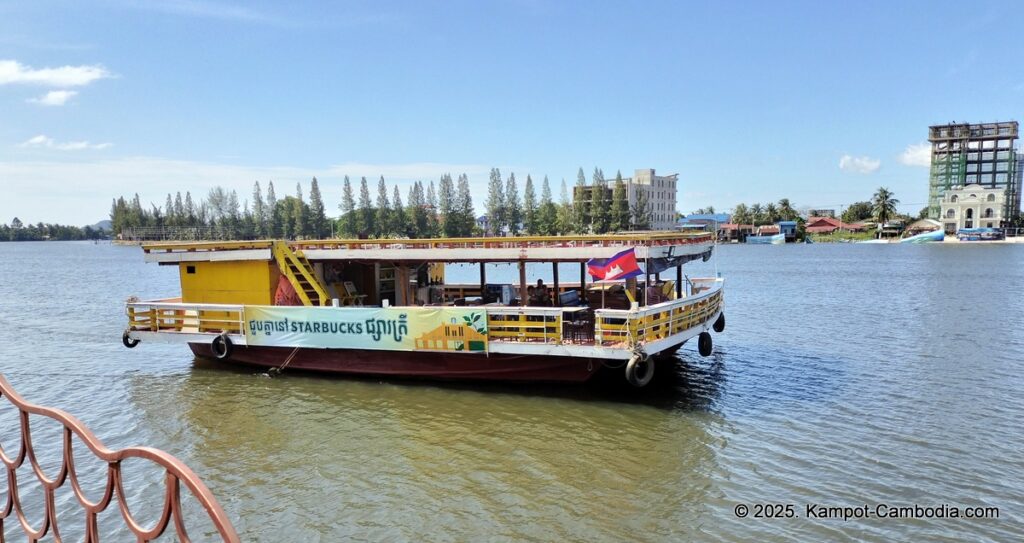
<point>554,273</point>
<point>522,283</point>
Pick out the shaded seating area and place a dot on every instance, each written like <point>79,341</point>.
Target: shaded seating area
<point>348,294</point>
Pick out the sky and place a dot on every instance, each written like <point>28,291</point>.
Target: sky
<point>818,102</point>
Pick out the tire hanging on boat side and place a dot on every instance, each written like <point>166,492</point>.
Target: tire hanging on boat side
<point>222,347</point>
<point>704,344</point>
<point>645,365</point>
<point>128,341</point>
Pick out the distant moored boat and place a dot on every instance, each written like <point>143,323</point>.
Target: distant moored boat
<point>926,237</point>
<point>777,239</point>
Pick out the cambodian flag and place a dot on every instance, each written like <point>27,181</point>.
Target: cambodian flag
<point>620,266</point>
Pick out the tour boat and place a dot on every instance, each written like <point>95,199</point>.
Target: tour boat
<point>926,237</point>
<point>775,239</point>
<point>383,307</point>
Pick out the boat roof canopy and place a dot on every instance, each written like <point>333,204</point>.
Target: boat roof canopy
<point>464,250</point>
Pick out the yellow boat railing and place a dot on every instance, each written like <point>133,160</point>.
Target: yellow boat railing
<point>627,328</point>
<point>525,324</point>
<point>164,316</point>
<point>609,328</point>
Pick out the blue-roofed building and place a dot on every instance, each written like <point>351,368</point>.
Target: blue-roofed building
<point>788,228</point>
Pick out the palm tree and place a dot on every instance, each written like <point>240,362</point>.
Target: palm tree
<point>786,211</point>
<point>741,215</point>
<point>771,213</point>
<point>756,214</point>
<point>883,205</point>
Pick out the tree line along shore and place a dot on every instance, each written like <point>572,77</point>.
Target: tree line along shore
<point>442,209</point>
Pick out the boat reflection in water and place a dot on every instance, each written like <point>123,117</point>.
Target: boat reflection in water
<point>393,460</point>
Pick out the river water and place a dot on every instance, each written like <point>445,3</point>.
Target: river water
<point>848,375</point>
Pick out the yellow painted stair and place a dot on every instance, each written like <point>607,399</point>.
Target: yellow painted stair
<point>300,274</point>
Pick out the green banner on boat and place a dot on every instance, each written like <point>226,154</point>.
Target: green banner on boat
<point>447,329</point>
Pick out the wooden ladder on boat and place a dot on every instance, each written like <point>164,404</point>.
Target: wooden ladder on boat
<point>300,274</point>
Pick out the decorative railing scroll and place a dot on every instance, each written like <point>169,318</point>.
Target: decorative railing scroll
<point>176,474</point>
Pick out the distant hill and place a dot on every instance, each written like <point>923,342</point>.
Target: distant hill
<point>103,225</point>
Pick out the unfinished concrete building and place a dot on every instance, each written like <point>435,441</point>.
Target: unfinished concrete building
<point>974,154</point>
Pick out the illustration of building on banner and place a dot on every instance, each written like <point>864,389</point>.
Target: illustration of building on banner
<point>470,336</point>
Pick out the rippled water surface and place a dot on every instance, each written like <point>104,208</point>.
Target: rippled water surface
<point>848,375</point>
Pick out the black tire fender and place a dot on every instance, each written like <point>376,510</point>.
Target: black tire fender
<point>704,344</point>
<point>639,370</point>
<point>719,325</point>
<point>222,347</point>
<point>128,341</point>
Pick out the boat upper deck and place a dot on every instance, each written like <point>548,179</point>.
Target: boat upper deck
<point>484,249</point>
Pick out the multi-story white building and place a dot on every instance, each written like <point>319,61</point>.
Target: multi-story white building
<point>660,191</point>
<point>661,196</point>
<point>972,206</point>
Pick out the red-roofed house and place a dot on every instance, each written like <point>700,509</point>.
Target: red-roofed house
<point>735,232</point>
<point>827,225</point>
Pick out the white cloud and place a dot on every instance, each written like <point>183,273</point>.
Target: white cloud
<point>861,164</point>
<point>54,98</point>
<point>79,191</point>
<point>917,154</point>
<point>43,141</point>
<point>12,71</point>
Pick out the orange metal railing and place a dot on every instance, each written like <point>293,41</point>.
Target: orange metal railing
<point>177,473</point>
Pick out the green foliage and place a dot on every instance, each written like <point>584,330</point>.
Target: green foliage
<point>317,214</point>
<point>417,211</point>
<point>299,214</point>
<point>757,215</point>
<point>566,212</point>
<point>433,222</point>
<point>259,211</point>
<point>364,212</point>
<point>786,211</point>
<point>446,205</point>
<point>858,211</point>
<point>741,214</point>
<point>272,220</point>
<point>463,212</point>
<point>620,205</point>
<point>547,212</point>
<point>883,205</point>
<point>580,222</point>
<point>349,219</point>
<point>530,210</point>
<point>429,210</point>
<point>18,231</point>
<point>495,203</point>
<point>513,213</point>
<point>641,213</point>
<point>400,222</point>
<point>384,225</point>
<point>600,220</point>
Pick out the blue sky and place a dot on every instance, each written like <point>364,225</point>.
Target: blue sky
<point>815,101</point>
